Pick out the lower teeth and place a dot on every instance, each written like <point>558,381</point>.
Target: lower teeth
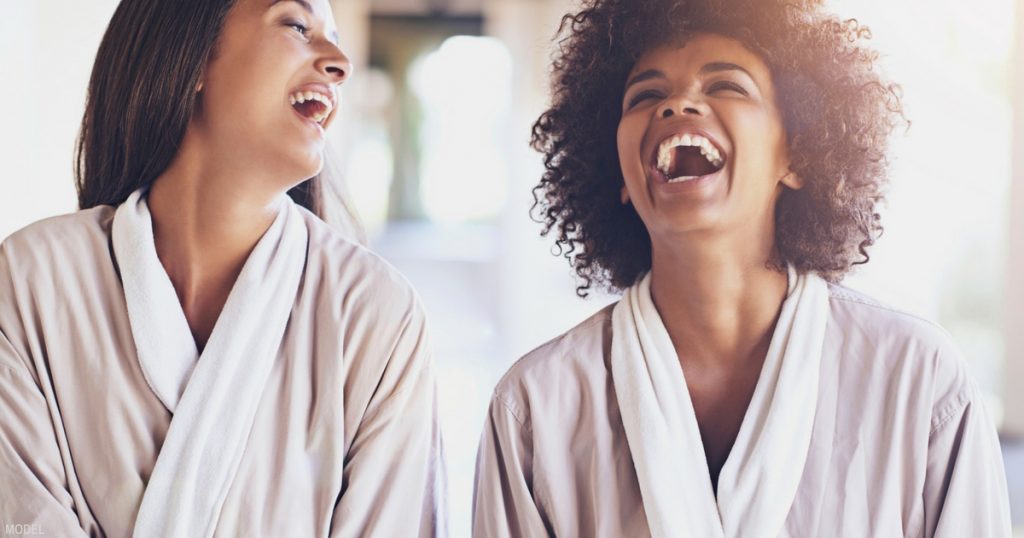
<point>681,179</point>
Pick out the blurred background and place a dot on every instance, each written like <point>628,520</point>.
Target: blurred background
<point>433,145</point>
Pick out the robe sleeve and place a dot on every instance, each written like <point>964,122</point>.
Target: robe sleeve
<point>503,502</point>
<point>394,476</point>
<point>965,492</point>
<point>35,493</point>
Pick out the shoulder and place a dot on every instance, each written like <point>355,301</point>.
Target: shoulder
<point>911,352</point>
<point>352,277</point>
<point>564,373</point>
<point>70,232</point>
<point>64,239</point>
<point>858,315</point>
<point>47,265</point>
<point>350,270</point>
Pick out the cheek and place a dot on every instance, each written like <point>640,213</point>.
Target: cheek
<point>769,124</point>
<point>235,109</point>
<point>760,144</point>
<point>628,140</point>
<point>253,96</point>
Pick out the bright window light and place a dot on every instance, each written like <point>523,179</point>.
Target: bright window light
<point>464,87</point>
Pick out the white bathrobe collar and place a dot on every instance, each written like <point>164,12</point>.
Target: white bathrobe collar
<point>213,397</point>
<point>757,485</point>
<point>164,343</point>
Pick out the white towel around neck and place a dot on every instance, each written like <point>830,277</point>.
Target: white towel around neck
<point>213,397</point>
<point>758,483</point>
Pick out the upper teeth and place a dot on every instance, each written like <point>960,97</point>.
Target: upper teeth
<point>707,149</point>
<point>302,97</point>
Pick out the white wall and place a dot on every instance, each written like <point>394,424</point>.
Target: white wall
<point>48,50</point>
<point>1014,399</point>
<point>943,255</point>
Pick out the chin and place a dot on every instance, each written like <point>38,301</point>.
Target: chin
<point>314,169</point>
<point>704,220</point>
<point>308,167</point>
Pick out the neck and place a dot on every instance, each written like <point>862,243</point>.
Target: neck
<point>719,308</point>
<point>205,225</point>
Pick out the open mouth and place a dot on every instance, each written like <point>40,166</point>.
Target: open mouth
<point>687,157</point>
<point>312,105</point>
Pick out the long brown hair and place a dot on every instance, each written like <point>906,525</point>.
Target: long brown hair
<point>141,97</point>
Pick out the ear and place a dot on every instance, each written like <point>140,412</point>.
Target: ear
<point>624,195</point>
<point>791,180</point>
<point>201,78</point>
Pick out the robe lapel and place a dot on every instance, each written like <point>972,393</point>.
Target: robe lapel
<point>216,403</point>
<point>163,341</point>
<point>758,483</point>
<point>660,423</point>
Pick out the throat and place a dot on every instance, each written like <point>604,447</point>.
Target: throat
<point>202,300</point>
<point>202,316</point>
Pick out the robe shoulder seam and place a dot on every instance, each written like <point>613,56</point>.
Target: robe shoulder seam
<point>950,411</point>
<point>512,409</point>
<point>841,295</point>
<point>555,349</point>
<point>599,318</point>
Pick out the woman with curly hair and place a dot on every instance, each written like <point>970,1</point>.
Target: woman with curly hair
<point>720,162</point>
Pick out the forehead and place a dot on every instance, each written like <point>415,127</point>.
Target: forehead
<point>698,50</point>
<point>320,9</point>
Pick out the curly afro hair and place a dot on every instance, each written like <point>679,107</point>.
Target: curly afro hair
<point>837,110</point>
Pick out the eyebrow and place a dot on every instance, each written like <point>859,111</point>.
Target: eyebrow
<point>305,5</point>
<point>309,9</point>
<point>713,67</point>
<point>718,67</point>
<point>645,75</point>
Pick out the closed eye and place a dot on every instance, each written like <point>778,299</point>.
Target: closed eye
<point>302,29</point>
<point>727,86</point>
<point>644,96</point>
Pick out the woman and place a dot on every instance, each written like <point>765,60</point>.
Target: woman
<point>193,354</point>
<point>721,162</point>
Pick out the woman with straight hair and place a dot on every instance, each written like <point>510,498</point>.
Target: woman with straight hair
<point>720,162</point>
<point>196,352</point>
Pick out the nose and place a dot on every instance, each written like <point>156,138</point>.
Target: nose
<point>682,104</point>
<point>334,64</point>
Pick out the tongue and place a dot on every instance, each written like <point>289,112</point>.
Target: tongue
<point>310,108</point>
<point>688,162</point>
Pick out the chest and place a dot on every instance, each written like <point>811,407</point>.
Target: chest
<point>115,426</point>
<point>720,400</point>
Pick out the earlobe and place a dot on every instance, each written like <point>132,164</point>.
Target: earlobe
<point>791,180</point>
<point>624,195</point>
<point>199,86</point>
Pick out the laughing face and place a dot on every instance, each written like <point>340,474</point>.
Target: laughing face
<point>270,90</point>
<point>701,141</point>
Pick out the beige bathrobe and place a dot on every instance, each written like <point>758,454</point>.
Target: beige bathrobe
<point>897,442</point>
<point>344,440</point>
